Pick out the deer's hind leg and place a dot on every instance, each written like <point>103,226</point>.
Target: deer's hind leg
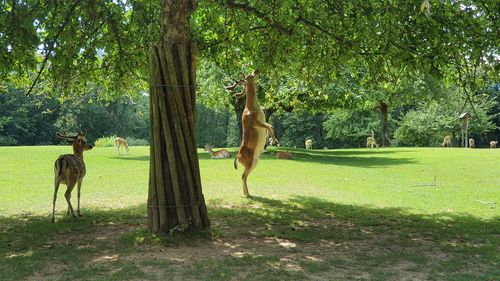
<point>79,188</point>
<point>249,167</point>
<point>71,184</point>
<point>248,164</point>
<point>57,182</point>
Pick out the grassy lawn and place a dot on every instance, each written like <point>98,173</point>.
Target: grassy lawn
<point>357,214</point>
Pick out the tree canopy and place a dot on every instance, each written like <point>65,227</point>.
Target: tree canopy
<point>303,46</point>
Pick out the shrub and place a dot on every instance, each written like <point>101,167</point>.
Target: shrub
<point>105,141</point>
<point>137,142</point>
<point>110,141</point>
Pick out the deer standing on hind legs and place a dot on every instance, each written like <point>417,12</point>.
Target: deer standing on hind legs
<point>121,142</point>
<point>254,128</point>
<point>69,169</point>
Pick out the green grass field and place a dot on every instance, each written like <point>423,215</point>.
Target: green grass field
<point>382,214</point>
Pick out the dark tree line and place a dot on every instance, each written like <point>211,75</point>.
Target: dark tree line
<point>34,119</point>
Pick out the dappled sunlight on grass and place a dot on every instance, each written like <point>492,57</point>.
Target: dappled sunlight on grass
<point>414,213</point>
<point>295,238</point>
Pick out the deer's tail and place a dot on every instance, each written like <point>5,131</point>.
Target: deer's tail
<point>236,163</point>
<point>59,165</point>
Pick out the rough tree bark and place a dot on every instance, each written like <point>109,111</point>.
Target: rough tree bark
<point>384,124</point>
<point>175,198</point>
<point>239,106</point>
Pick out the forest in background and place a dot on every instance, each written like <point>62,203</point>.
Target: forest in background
<point>332,71</point>
<point>34,119</point>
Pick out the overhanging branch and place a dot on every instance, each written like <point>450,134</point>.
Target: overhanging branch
<point>52,44</point>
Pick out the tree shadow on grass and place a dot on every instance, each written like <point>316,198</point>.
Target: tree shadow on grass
<point>129,157</point>
<point>300,238</point>
<point>367,158</point>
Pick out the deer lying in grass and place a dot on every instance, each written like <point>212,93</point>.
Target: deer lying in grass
<point>254,128</point>
<point>309,144</point>
<point>446,141</point>
<point>371,142</point>
<point>472,143</point>
<point>284,155</point>
<point>217,154</point>
<point>119,142</point>
<point>69,169</point>
<point>493,144</point>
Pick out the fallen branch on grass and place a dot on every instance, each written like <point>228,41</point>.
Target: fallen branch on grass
<point>428,184</point>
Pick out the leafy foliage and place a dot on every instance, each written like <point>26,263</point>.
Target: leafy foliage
<point>350,128</point>
<point>428,124</point>
<point>34,119</point>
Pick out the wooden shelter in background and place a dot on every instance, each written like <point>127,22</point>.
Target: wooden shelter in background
<point>465,117</point>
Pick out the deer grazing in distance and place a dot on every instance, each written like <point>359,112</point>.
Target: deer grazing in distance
<point>284,155</point>
<point>371,142</point>
<point>254,128</point>
<point>493,144</point>
<point>69,169</point>
<point>119,142</point>
<point>472,143</point>
<point>271,142</point>
<point>309,144</point>
<point>217,154</point>
<point>446,141</point>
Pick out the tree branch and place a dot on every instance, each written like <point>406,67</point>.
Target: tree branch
<point>52,44</point>
<point>249,9</point>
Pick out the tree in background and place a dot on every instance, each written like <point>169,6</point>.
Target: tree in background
<point>350,128</point>
<point>26,120</point>
<point>430,122</point>
<point>34,119</point>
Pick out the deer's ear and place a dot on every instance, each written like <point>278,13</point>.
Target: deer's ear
<point>69,141</point>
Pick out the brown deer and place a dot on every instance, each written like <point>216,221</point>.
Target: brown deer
<point>119,142</point>
<point>446,141</point>
<point>217,154</point>
<point>69,169</point>
<point>493,144</point>
<point>309,144</point>
<point>284,155</point>
<point>254,128</point>
<point>371,142</point>
<point>472,143</point>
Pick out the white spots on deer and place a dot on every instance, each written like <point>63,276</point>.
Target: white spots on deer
<point>69,169</point>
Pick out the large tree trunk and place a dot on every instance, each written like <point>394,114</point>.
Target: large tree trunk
<point>384,124</point>
<point>175,197</point>
<point>239,107</point>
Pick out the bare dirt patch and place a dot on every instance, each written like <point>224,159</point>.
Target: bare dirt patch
<point>335,259</point>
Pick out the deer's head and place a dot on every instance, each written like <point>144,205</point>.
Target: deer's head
<point>79,141</point>
<point>248,84</point>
